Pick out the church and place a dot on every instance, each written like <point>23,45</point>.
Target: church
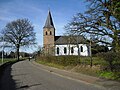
<point>62,45</point>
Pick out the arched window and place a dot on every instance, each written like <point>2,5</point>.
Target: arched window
<point>65,50</point>
<point>50,33</point>
<point>57,50</point>
<point>72,50</point>
<point>81,49</point>
<point>46,33</point>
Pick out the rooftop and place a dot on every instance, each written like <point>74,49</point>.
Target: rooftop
<point>61,40</point>
<point>49,21</point>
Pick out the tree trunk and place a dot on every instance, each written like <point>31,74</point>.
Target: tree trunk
<point>18,54</point>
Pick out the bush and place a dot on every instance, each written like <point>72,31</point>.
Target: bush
<point>71,60</point>
<point>110,75</point>
<point>112,60</point>
<point>62,60</point>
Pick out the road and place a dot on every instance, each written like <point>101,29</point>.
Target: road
<point>24,75</point>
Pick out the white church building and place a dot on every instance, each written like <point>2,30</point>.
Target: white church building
<point>62,45</point>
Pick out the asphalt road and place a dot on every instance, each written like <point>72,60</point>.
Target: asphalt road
<point>24,75</point>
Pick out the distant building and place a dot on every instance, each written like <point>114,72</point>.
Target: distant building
<point>62,45</point>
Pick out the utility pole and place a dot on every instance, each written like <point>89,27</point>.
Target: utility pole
<point>91,54</point>
<point>3,51</point>
<point>2,55</point>
<point>78,47</point>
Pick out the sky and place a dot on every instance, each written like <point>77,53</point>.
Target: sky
<point>36,11</point>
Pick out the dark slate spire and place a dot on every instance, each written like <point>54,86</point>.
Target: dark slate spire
<point>49,21</point>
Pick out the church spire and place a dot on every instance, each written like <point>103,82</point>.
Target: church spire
<point>49,21</point>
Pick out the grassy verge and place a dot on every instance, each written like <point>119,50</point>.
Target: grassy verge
<point>71,64</point>
<point>110,75</point>
<point>79,65</point>
<point>50,64</point>
<point>7,60</point>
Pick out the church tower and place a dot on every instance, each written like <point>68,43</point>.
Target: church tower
<point>49,35</point>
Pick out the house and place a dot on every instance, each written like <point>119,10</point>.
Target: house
<point>62,45</point>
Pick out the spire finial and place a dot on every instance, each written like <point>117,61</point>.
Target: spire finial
<point>49,21</point>
<point>49,9</point>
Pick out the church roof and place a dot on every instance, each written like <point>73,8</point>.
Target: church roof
<point>49,21</point>
<point>62,40</point>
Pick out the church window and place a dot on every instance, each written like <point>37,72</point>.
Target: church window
<point>81,48</point>
<point>46,33</point>
<point>50,33</point>
<point>57,50</point>
<point>65,50</point>
<point>72,50</point>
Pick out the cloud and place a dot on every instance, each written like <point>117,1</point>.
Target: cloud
<point>36,11</point>
<point>6,19</point>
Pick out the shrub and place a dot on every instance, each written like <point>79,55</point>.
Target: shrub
<point>110,75</point>
<point>112,60</point>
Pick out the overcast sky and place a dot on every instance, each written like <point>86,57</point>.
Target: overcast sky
<point>37,10</point>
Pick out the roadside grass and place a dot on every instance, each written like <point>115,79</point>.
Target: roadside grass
<point>73,63</point>
<point>79,65</point>
<point>94,71</point>
<point>7,60</point>
<point>110,75</point>
<point>50,64</point>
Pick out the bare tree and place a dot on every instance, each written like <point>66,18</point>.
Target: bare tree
<point>19,33</point>
<point>101,20</point>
